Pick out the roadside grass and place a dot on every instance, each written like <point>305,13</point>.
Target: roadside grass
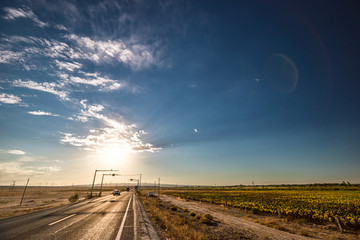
<point>175,222</point>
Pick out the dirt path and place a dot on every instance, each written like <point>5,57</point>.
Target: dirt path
<point>262,232</point>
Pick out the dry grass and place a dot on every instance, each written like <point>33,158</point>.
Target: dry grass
<point>302,227</point>
<point>184,224</point>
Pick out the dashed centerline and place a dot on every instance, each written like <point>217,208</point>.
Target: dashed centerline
<point>50,224</point>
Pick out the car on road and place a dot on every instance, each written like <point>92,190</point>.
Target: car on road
<point>116,192</point>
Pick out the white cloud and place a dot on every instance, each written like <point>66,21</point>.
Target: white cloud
<point>7,56</point>
<point>14,13</point>
<point>44,87</point>
<point>26,159</point>
<point>105,137</point>
<point>9,98</point>
<point>136,56</point>
<point>19,168</point>
<point>41,113</point>
<point>49,169</point>
<point>115,133</point>
<point>15,168</point>
<point>82,118</point>
<point>60,27</point>
<point>23,164</point>
<point>104,83</point>
<point>16,152</point>
<point>68,65</point>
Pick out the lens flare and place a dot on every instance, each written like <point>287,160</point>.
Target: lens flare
<point>282,73</point>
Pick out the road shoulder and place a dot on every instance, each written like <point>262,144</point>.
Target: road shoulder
<point>145,228</point>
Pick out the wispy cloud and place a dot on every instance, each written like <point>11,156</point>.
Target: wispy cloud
<point>7,56</point>
<point>14,13</point>
<point>68,65</point>
<point>44,87</point>
<point>137,56</point>
<point>115,133</point>
<point>9,98</point>
<point>60,27</point>
<point>24,164</point>
<point>16,152</point>
<point>41,113</point>
<point>104,83</point>
<point>19,168</point>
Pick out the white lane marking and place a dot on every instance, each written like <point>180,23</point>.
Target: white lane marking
<point>135,218</point>
<point>118,236</point>
<point>50,224</point>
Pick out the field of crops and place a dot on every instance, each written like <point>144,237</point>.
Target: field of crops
<point>317,204</point>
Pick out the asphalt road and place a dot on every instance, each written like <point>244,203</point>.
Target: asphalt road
<point>109,217</point>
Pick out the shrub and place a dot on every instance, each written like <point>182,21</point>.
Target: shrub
<point>174,208</point>
<point>185,210</point>
<point>192,214</point>
<point>206,221</point>
<point>74,197</point>
<point>197,217</point>
<point>208,216</point>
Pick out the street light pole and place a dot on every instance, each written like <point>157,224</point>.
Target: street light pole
<point>113,174</point>
<point>92,187</point>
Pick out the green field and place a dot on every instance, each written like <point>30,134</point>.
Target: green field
<point>319,204</point>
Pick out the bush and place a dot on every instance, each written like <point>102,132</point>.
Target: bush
<point>185,210</point>
<point>74,197</point>
<point>197,217</point>
<point>206,221</point>
<point>192,214</point>
<point>208,216</point>
<point>174,208</point>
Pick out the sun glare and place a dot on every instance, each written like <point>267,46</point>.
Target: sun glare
<point>114,155</point>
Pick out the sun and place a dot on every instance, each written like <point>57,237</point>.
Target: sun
<point>114,155</point>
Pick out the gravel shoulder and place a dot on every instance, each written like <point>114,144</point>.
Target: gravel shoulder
<point>145,228</point>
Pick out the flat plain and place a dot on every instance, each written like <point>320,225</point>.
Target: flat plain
<point>37,198</point>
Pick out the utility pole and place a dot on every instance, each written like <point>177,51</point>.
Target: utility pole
<point>24,191</point>
<point>140,182</point>
<point>92,187</point>
<point>159,187</point>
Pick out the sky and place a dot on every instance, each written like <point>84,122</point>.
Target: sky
<point>193,92</point>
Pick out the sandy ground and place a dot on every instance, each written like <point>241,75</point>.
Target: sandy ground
<point>37,198</point>
<point>257,225</point>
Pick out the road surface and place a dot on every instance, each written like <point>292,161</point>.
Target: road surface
<point>109,217</point>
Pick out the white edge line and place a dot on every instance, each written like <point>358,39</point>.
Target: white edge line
<point>135,218</point>
<point>50,224</point>
<point>118,236</point>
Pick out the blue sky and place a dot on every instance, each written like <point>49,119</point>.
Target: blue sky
<point>193,92</point>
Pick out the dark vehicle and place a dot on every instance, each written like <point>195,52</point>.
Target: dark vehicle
<point>116,192</point>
